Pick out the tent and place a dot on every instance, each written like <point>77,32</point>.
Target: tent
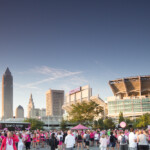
<point>79,127</point>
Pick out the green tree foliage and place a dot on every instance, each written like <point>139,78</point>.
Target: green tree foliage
<point>143,121</point>
<point>63,125</point>
<point>95,124</point>
<point>99,124</point>
<point>35,123</point>
<point>84,112</point>
<point>109,124</point>
<point>121,118</point>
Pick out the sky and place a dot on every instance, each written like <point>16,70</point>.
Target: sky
<point>64,44</point>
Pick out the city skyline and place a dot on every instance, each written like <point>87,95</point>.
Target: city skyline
<point>64,45</point>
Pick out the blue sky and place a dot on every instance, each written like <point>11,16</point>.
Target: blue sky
<point>66,44</point>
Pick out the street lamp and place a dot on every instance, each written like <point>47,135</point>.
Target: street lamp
<point>48,122</point>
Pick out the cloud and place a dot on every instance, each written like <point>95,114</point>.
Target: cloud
<point>26,86</point>
<point>52,74</point>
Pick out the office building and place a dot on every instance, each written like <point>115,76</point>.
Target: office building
<point>7,95</point>
<point>79,95</point>
<point>54,102</point>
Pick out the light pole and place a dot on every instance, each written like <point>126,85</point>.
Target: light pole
<point>48,122</point>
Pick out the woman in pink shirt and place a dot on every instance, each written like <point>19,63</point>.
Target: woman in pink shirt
<point>2,136</point>
<point>27,141</point>
<point>92,138</point>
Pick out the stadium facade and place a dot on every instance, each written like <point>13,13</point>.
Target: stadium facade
<point>131,96</point>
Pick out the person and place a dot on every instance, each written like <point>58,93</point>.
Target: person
<point>142,141</point>
<point>60,139</point>
<point>137,134</point>
<point>64,136</point>
<point>113,140</point>
<point>69,141</point>
<point>92,138</point>
<point>123,141</point>
<point>2,136</point>
<point>103,142</point>
<point>34,140</point>
<point>20,143</point>
<point>96,138</point>
<point>87,140</point>
<point>132,140</point>
<point>47,136</point>
<point>84,142</point>
<point>38,140</point>
<point>79,141</point>
<point>8,143</point>
<point>27,140</point>
<point>53,142</point>
<point>42,138</point>
<point>17,134</point>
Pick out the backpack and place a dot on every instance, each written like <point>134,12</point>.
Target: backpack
<point>87,138</point>
<point>61,139</point>
<point>123,140</point>
<point>79,138</point>
<point>112,139</point>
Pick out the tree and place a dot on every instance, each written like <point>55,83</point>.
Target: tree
<point>121,118</point>
<point>101,123</point>
<point>84,112</point>
<point>95,125</point>
<point>35,123</point>
<point>63,125</point>
<point>109,124</point>
<point>143,121</point>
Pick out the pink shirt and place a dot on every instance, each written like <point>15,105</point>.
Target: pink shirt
<point>2,137</point>
<point>92,135</point>
<point>28,138</point>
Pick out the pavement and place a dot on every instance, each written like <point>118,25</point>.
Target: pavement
<point>90,148</point>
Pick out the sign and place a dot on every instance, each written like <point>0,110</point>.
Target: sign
<point>122,124</point>
<point>14,126</point>
<point>75,90</point>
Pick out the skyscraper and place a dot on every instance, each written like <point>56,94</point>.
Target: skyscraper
<point>7,95</point>
<point>54,102</point>
<point>30,106</point>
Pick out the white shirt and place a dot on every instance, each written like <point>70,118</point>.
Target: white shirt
<point>9,147</point>
<point>84,136</point>
<point>69,141</point>
<point>74,133</point>
<point>103,142</point>
<point>132,138</point>
<point>143,139</point>
<point>96,136</point>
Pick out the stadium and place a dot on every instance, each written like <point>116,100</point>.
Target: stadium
<point>131,96</point>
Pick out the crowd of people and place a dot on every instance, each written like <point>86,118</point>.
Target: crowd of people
<point>81,139</point>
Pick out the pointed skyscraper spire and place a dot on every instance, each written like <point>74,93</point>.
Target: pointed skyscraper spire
<point>30,106</point>
<point>31,96</point>
<point>7,72</point>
